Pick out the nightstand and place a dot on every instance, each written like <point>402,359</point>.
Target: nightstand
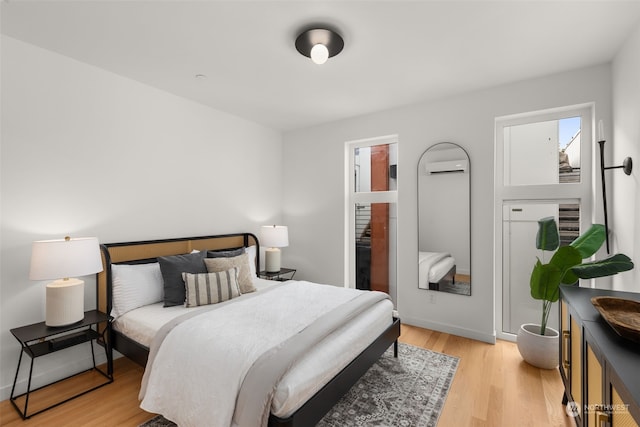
<point>278,275</point>
<point>39,340</point>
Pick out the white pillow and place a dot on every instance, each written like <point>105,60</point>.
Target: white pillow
<point>251,251</point>
<point>135,286</point>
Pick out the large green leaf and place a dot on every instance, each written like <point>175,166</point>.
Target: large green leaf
<point>565,258</point>
<point>606,267</point>
<point>548,238</point>
<point>590,241</point>
<point>566,265</point>
<point>545,281</point>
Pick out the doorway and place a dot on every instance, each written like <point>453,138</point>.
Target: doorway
<point>543,168</point>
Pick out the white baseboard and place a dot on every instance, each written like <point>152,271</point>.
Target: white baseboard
<point>450,329</point>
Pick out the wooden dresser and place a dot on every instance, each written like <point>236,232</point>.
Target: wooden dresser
<point>600,370</point>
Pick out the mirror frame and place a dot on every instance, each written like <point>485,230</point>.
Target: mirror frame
<point>420,163</point>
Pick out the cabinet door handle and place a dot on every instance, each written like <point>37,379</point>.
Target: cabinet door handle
<point>601,418</point>
<point>566,337</point>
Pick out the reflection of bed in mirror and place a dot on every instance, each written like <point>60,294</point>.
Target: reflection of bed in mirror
<point>436,270</point>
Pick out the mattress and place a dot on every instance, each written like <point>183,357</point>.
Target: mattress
<point>309,374</point>
<point>432,267</point>
<point>439,269</point>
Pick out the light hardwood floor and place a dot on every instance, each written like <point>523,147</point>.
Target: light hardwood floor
<point>492,387</point>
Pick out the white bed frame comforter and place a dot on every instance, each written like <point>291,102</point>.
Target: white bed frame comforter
<point>221,366</point>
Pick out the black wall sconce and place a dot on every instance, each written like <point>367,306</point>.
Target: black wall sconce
<point>627,167</point>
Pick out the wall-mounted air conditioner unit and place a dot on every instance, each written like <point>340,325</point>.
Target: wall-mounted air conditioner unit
<point>447,166</point>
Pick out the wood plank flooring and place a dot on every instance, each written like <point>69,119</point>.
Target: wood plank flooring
<point>492,387</point>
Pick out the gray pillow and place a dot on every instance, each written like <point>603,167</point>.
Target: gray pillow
<point>172,268</point>
<point>228,253</point>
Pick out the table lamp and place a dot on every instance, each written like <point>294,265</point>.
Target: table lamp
<point>273,237</point>
<point>61,260</point>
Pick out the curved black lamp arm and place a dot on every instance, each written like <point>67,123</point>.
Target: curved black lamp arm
<point>627,166</point>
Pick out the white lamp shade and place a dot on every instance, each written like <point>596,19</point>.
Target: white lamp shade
<point>274,236</point>
<point>63,258</point>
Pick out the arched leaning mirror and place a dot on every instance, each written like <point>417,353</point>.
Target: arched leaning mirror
<point>444,219</point>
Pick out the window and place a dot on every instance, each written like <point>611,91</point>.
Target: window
<point>371,214</point>
<point>542,153</point>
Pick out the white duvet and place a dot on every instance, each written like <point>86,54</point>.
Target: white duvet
<point>309,374</point>
<point>198,385</point>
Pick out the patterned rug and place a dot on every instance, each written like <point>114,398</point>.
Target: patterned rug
<point>461,288</point>
<point>407,391</point>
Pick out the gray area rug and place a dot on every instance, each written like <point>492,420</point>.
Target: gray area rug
<point>461,288</point>
<point>407,391</point>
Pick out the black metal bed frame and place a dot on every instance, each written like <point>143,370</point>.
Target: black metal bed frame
<point>448,278</point>
<point>319,404</point>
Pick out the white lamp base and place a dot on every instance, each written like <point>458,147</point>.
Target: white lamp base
<point>65,302</point>
<point>272,260</point>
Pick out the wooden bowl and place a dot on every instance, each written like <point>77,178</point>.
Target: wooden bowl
<point>623,315</point>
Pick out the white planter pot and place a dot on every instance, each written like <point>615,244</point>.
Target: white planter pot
<point>539,350</point>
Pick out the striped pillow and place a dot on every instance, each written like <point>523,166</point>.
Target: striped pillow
<point>211,288</point>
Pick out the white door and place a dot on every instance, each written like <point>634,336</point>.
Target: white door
<point>520,225</point>
<point>543,168</point>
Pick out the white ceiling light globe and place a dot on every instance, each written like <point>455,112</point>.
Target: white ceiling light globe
<point>319,54</point>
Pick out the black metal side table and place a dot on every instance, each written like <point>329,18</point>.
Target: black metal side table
<point>39,340</point>
<point>278,275</point>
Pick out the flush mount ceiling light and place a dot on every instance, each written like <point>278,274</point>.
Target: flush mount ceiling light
<point>319,44</point>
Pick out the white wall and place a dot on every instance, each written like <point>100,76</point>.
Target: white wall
<point>624,204</point>
<point>314,207</point>
<point>88,153</point>
<point>573,151</point>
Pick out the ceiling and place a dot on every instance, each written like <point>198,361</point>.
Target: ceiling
<point>396,52</point>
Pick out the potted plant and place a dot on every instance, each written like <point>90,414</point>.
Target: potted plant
<point>538,344</point>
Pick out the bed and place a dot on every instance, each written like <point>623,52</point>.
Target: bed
<point>304,393</point>
<point>435,269</point>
